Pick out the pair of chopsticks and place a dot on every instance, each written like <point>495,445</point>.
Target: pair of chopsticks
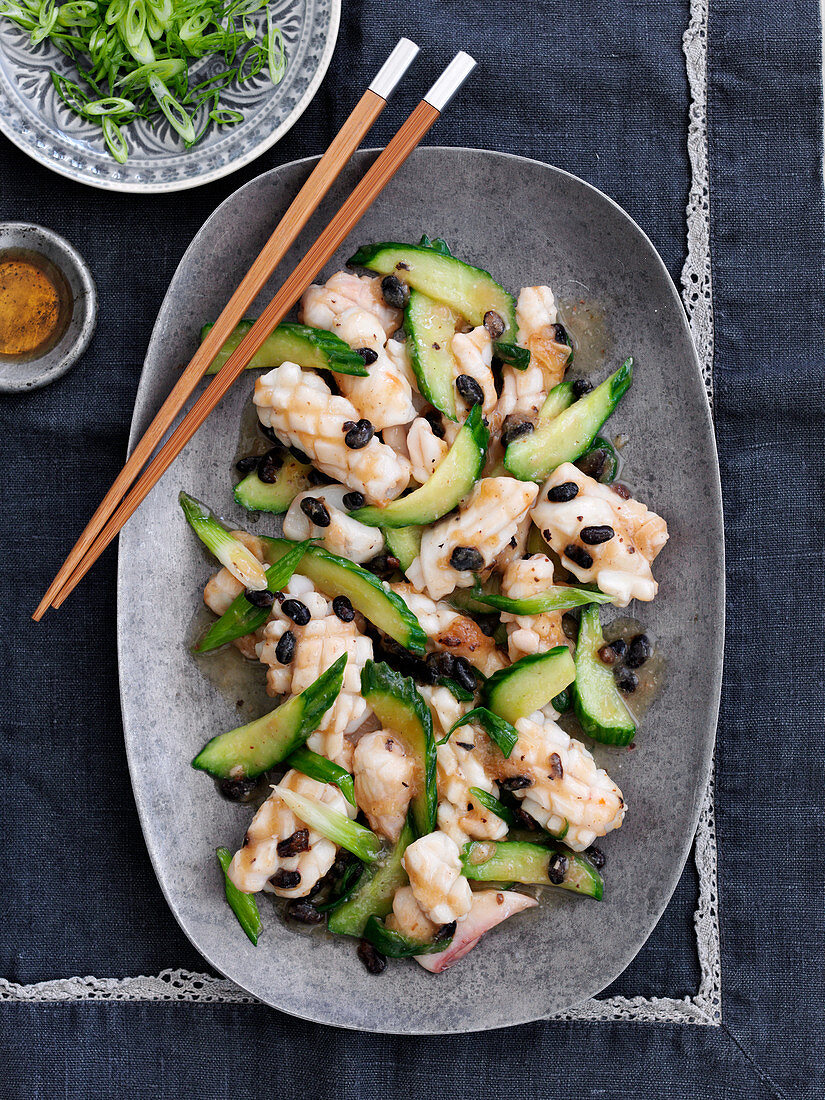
<point>121,500</point>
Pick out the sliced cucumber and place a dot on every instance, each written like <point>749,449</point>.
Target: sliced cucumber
<point>468,290</point>
<point>403,543</point>
<point>399,707</point>
<point>438,244</point>
<point>567,436</point>
<point>262,496</point>
<point>375,891</point>
<point>395,945</point>
<point>521,861</point>
<point>251,749</point>
<point>556,597</point>
<point>529,684</point>
<point>599,706</point>
<point>452,480</point>
<point>561,397</point>
<point>313,348</point>
<point>335,576</point>
<point>430,329</point>
<point>600,461</point>
<point>325,771</point>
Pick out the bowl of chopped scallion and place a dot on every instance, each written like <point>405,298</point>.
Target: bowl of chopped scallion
<point>158,95</point>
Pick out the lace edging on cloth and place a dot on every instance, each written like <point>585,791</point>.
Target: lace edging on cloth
<point>705,1007</point>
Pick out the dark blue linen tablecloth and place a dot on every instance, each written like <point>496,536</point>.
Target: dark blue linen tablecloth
<point>598,88</point>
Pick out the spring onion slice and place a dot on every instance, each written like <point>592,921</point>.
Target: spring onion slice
<point>242,905</point>
<point>325,771</point>
<point>241,563</point>
<point>335,826</point>
<point>497,729</point>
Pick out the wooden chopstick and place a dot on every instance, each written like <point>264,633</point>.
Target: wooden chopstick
<point>373,182</point>
<point>300,210</point>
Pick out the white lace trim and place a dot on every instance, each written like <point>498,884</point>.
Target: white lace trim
<point>705,1007</point>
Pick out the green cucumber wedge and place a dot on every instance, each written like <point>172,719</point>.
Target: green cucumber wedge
<point>399,707</point>
<point>336,576</point>
<point>395,945</point>
<point>451,481</point>
<point>430,329</point>
<point>242,905</point>
<point>403,543</point>
<point>313,348</point>
<point>276,496</point>
<point>252,749</point>
<point>529,684</point>
<point>468,290</point>
<point>375,891</point>
<point>521,861</point>
<point>596,699</point>
<point>600,461</point>
<point>561,397</point>
<point>437,244</point>
<point>556,597</point>
<point>566,437</point>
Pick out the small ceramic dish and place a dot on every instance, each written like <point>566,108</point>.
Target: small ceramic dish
<point>61,268</point>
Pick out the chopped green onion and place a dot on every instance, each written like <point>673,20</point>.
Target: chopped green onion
<point>276,59</point>
<point>335,826</point>
<point>318,767</point>
<point>111,105</point>
<point>115,141</point>
<point>224,117</point>
<point>242,905</point>
<point>497,729</point>
<point>491,803</point>
<point>230,552</point>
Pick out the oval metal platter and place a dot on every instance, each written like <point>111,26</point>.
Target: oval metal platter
<point>528,223</point>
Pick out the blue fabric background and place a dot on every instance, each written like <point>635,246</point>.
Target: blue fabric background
<point>599,88</point>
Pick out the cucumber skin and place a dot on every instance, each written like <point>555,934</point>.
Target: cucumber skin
<point>526,862</point>
<point>379,680</point>
<point>407,631</point>
<point>535,456</point>
<point>312,348</point>
<point>492,694</point>
<point>395,945</point>
<point>401,512</point>
<point>441,396</point>
<point>299,716</point>
<point>374,898</point>
<point>260,496</point>
<point>619,734</point>
<point>368,256</point>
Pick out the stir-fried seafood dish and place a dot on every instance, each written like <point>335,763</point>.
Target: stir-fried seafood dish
<point>428,614</point>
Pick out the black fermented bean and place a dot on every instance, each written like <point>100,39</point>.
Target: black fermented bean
<point>464,558</point>
<point>343,609</point>
<point>581,386</point>
<point>294,845</point>
<point>441,664</point>
<point>372,959</point>
<point>557,868</point>
<point>628,681</point>
<point>560,335</point>
<point>247,465</point>
<point>238,790</point>
<point>318,477</point>
<point>269,466</point>
<point>579,555</point>
<point>556,769</point>
<point>515,783</point>
<point>359,435</point>
<point>286,880</point>
<point>560,494</point>
<point>433,418</point>
<point>596,857</point>
<point>353,501</point>
<point>494,323</point>
<point>383,565</point>
<point>285,649</point>
<point>639,651</point>
<point>299,455</point>
<point>570,625</point>
<point>394,291</point>
<point>607,655</point>
<point>260,598</point>
<point>368,355</point>
<point>464,674</point>
<point>297,611</point>
<point>302,912</point>
<point>514,429</point>
<point>596,534</point>
<point>316,511</point>
<point>469,389</point>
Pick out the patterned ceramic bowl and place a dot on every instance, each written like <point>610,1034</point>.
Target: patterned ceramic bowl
<point>34,117</point>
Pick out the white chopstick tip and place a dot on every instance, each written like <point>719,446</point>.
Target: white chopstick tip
<point>450,80</point>
<point>394,68</point>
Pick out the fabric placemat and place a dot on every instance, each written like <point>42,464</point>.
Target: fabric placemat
<point>702,119</point>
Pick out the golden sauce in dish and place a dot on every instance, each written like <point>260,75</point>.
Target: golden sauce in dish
<point>35,304</point>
